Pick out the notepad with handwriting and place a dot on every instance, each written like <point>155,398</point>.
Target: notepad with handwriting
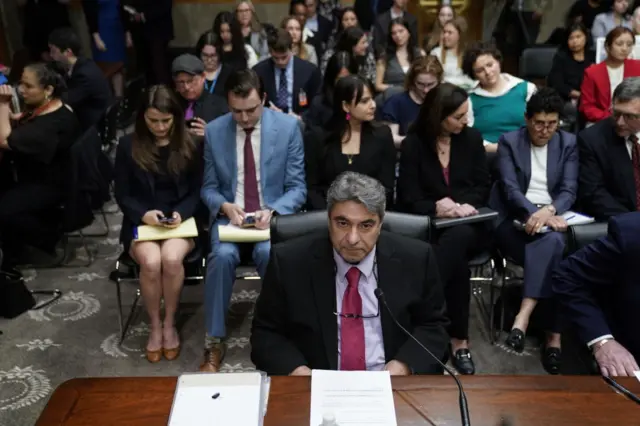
<point>187,229</point>
<point>235,234</point>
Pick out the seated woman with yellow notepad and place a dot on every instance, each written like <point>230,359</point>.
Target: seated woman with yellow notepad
<point>157,183</point>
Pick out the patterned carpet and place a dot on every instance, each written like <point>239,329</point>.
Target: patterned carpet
<point>77,335</point>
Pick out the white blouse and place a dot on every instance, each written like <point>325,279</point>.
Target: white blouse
<point>538,192</point>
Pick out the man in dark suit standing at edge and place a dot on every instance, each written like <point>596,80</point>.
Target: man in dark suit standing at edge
<point>289,82</point>
<point>318,309</point>
<point>599,292</point>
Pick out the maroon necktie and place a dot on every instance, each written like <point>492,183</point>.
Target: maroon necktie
<point>635,160</point>
<point>251,195</point>
<point>352,329</point>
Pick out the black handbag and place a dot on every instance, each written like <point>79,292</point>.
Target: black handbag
<point>15,297</point>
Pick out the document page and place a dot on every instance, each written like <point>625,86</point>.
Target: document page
<point>347,398</point>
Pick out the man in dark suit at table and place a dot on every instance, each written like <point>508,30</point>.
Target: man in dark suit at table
<point>289,82</point>
<point>609,178</point>
<point>88,92</point>
<point>599,291</point>
<point>381,26</point>
<point>318,309</point>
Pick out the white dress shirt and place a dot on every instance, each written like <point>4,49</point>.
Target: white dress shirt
<point>616,75</point>
<point>538,191</point>
<point>630,145</point>
<point>255,145</point>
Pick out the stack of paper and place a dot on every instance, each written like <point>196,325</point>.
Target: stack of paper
<point>186,229</point>
<point>235,234</point>
<point>222,399</point>
<point>341,398</point>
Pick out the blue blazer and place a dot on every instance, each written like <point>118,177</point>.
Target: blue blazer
<point>598,286</point>
<point>282,180</point>
<point>514,161</point>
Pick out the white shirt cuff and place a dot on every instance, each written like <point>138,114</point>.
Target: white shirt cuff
<point>597,339</point>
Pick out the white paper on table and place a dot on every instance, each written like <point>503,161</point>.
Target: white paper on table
<point>637,373</point>
<point>239,402</point>
<point>347,398</point>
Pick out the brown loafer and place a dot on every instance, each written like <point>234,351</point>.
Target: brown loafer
<point>213,357</point>
<point>154,356</point>
<point>171,354</point>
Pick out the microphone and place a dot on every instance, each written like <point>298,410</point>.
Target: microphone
<point>462,400</point>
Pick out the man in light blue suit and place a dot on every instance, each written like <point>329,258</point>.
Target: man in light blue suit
<point>254,163</point>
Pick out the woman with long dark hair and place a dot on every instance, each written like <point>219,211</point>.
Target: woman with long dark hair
<point>320,112</point>
<point>353,143</point>
<point>444,174</point>
<point>231,46</point>
<point>34,148</point>
<point>395,61</point>
<point>157,183</point>
<point>356,42</point>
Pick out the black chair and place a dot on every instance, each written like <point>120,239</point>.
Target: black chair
<point>287,227</point>
<point>583,235</point>
<point>195,264</point>
<point>108,127</point>
<point>535,62</point>
<point>130,103</point>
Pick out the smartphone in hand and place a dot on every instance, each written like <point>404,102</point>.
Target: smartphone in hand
<point>249,221</point>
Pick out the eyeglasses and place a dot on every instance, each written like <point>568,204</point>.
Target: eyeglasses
<point>545,125</point>
<point>358,316</point>
<point>626,115</point>
<point>205,56</point>
<point>185,83</point>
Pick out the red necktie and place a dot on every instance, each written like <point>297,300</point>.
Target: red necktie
<point>635,160</point>
<point>352,329</point>
<point>251,195</point>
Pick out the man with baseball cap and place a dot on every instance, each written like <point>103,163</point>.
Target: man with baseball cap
<point>200,106</point>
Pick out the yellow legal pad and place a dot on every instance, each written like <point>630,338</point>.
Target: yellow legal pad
<point>235,234</point>
<point>187,229</point>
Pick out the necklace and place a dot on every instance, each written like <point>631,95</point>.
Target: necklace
<point>350,159</point>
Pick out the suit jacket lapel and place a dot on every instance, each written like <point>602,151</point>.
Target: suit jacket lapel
<point>230,153</point>
<point>553,156</point>
<point>622,162</point>
<point>390,281</point>
<point>524,151</point>
<point>268,140</point>
<point>323,282</point>
<point>297,84</point>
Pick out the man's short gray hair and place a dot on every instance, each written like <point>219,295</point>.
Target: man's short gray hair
<point>363,189</point>
<point>627,90</point>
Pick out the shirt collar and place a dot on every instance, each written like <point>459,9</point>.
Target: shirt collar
<point>256,128</point>
<point>365,266</point>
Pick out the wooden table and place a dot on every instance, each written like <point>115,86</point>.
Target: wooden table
<point>419,400</point>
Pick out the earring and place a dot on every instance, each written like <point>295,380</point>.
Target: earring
<point>348,116</point>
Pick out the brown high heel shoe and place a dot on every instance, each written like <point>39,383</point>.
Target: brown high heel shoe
<point>171,354</point>
<point>154,356</point>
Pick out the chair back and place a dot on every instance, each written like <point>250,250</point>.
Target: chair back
<point>582,235</point>
<point>288,227</point>
<point>108,125</point>
<point>76,204</point>
<point>131,101</point>
<point>536,62</point>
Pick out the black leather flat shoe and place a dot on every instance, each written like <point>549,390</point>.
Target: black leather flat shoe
<point>462,361</point>
<point>552,360</point>
<point>515,340</point>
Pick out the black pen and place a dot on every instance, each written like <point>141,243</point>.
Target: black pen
<point>215,395</point>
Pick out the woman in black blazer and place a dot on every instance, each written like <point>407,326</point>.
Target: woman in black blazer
<point>354,143</point>
<point>444,174</point>
<point>157,183</point>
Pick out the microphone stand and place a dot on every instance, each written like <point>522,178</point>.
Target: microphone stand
<point>462,398</point>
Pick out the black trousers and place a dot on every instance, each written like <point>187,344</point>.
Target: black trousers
<point>454,248</point>
<point>28,215</point>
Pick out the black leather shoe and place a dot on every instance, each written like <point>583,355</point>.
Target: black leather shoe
<point>552,360</point>
<point>515,340</point>
<point>462,361</point>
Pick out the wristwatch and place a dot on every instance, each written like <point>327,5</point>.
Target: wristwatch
<point>551,209</point>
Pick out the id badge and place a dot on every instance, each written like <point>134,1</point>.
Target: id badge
<point>302,98</point>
